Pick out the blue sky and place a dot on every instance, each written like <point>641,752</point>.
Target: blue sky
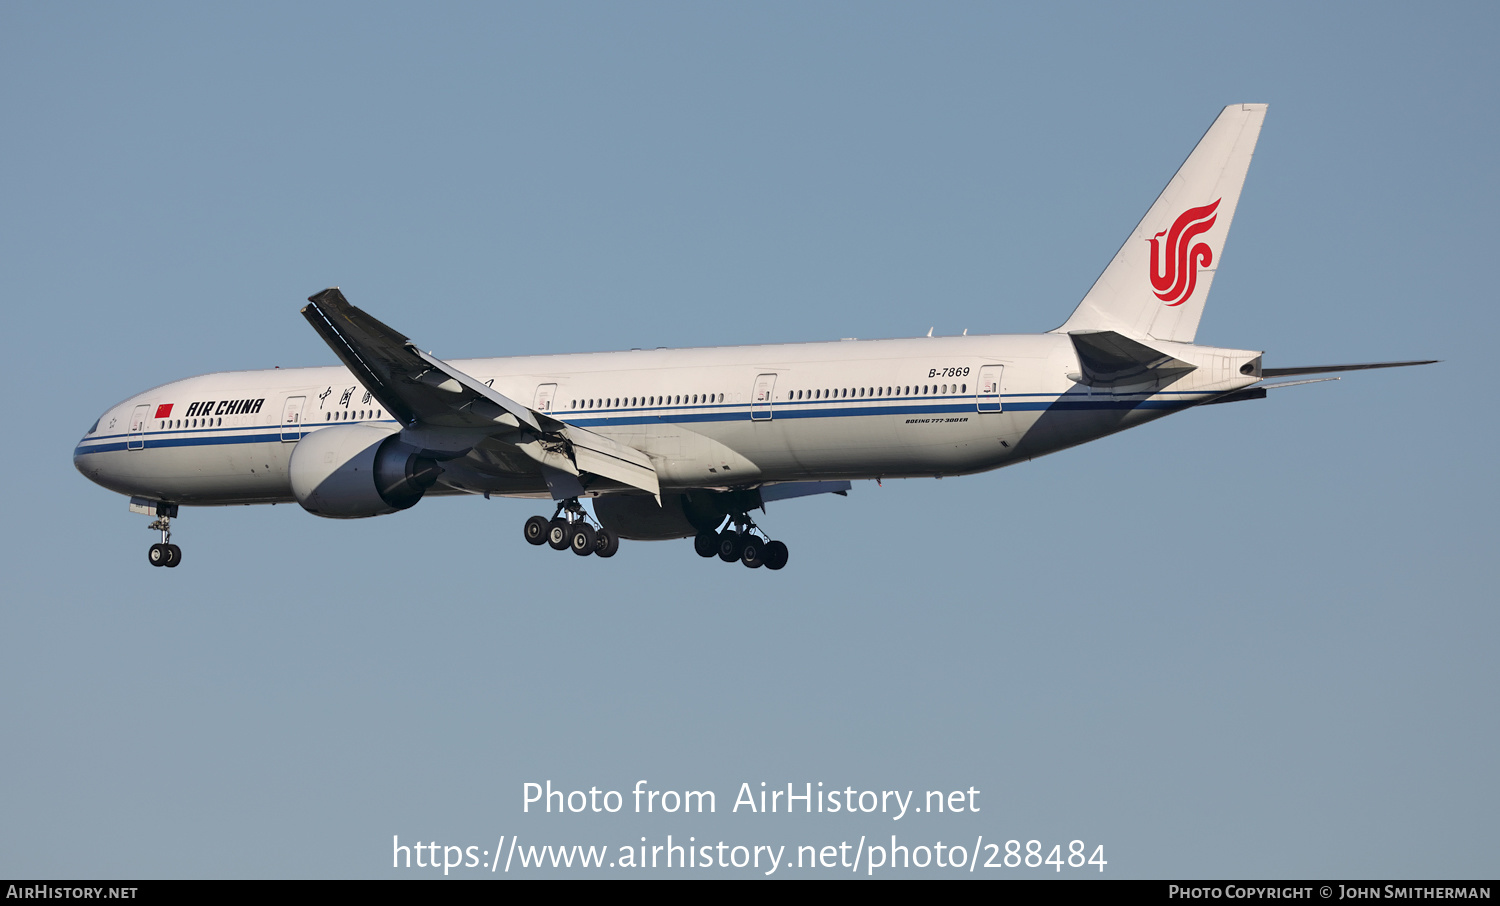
<point>1255,640</point>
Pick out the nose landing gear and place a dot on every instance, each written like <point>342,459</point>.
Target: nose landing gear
<point>570,528</point>
<point>166,553</point>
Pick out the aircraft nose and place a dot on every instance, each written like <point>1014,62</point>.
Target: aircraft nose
<point>81,459</point>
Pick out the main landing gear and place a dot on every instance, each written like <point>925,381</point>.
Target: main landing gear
<point>165,553</point>
<point>744,541</point>
<point>570,528</point>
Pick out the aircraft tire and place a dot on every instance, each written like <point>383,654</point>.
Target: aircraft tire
<point>606,543</point>
<point>157,554</point>
<point>706,544</point>
<point>174,555</point>
<point>582,539</point>
<point>753,554</point>
<point>536,530</point>
<point>775,555</point>
<point>558,535</point>
<point>731,545</point>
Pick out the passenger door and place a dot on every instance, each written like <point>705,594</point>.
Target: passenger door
<point>136,439</point>
<point>988,389</point>
<point>291,419</point>
<point>760,400</point>
<point>544,395</point>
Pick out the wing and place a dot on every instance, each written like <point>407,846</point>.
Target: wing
<point>448,412</point>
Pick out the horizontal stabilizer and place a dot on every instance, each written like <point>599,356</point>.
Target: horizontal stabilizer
<point>1258,392</point>
<point>1111,359</point>
<point>1326,369</point>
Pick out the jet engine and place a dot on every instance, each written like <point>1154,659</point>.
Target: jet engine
<point>352,471</point>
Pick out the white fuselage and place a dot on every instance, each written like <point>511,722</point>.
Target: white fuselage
<point>845,410</point>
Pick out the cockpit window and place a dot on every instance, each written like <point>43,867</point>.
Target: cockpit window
<point>95,428</point>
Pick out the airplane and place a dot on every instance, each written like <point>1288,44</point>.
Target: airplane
<point>679,443</point>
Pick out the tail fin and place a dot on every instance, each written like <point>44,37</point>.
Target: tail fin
<point>1158,281</point>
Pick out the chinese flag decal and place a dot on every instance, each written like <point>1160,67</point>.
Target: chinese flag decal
<point>164,411</point>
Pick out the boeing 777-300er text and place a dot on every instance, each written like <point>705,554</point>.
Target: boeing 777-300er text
<point>676,443</point>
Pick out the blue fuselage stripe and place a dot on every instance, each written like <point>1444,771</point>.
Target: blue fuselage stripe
<point>669,415</point>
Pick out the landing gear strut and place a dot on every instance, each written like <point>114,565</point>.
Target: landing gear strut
<point>570,528</point>
<point>166,553</point>
<point>744,541</point>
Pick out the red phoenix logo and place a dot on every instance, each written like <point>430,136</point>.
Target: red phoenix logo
<point>1174,269</point>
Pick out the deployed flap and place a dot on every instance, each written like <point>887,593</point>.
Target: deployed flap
<point>611,459</point>
<point>1111,359</point>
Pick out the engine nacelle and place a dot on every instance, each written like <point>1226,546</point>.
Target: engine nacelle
<point>352,471</point>
<point>638,518</point>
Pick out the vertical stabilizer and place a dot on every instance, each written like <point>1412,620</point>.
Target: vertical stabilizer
<point>1158,281</point>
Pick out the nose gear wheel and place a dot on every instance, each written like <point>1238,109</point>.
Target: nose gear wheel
<point>164,553</point>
